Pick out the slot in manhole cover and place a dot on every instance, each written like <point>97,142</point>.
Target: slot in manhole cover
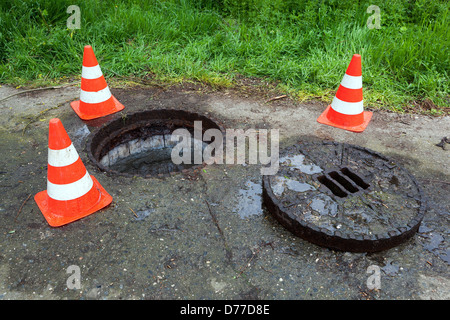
<point>141,143</point>
<point>344,197</point>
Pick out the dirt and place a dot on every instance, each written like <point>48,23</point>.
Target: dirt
<point>205,235</point>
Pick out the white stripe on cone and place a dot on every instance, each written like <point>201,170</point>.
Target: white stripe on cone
<point>95,97</point>
<point>349,108</point>
<point>352,82</point>
<point>70,191</point>
<point>91,72</point>
<point>63,157</point>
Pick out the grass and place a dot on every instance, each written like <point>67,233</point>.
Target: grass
<point>303,46</point>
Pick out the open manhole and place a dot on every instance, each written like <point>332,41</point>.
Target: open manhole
<point>344,197</point>
<point>141,143</point>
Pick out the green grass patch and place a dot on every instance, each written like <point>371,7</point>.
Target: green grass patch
<point>304,46</point>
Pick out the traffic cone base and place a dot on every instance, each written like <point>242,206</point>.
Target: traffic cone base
<point>342,121</point>
<point>59,213</point>
<point>97,110</point>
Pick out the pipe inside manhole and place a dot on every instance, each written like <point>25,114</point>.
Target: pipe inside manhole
<point>141,143</point>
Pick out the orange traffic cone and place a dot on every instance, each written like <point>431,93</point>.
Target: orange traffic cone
<point>95,98</point>
<point>346,110</point>
<point>71,192</point>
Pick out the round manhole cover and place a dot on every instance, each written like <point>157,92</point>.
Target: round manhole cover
<point>344,197</point>
<point>141,143</point>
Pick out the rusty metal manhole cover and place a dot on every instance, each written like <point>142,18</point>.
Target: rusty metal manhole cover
<point>140,144</point>
<point>344,197</point>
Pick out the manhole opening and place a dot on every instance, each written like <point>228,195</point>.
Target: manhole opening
<point>343,182</point>
<point>142,143</point>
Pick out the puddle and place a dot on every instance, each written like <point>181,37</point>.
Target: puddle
<point>280,183</point>
<point>81,133</point>
<point>297,162</point>
<point>324,205</point>
<point>435,243</point>
<point>141,215</point>
<point>79,136</point>
<point>446,256</point>
<point>250,199</point>
<point>321,207</point>
<point>390,268</point>
<point>434,240</point>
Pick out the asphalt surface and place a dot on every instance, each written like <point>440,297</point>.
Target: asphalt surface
<point>206,234</point>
